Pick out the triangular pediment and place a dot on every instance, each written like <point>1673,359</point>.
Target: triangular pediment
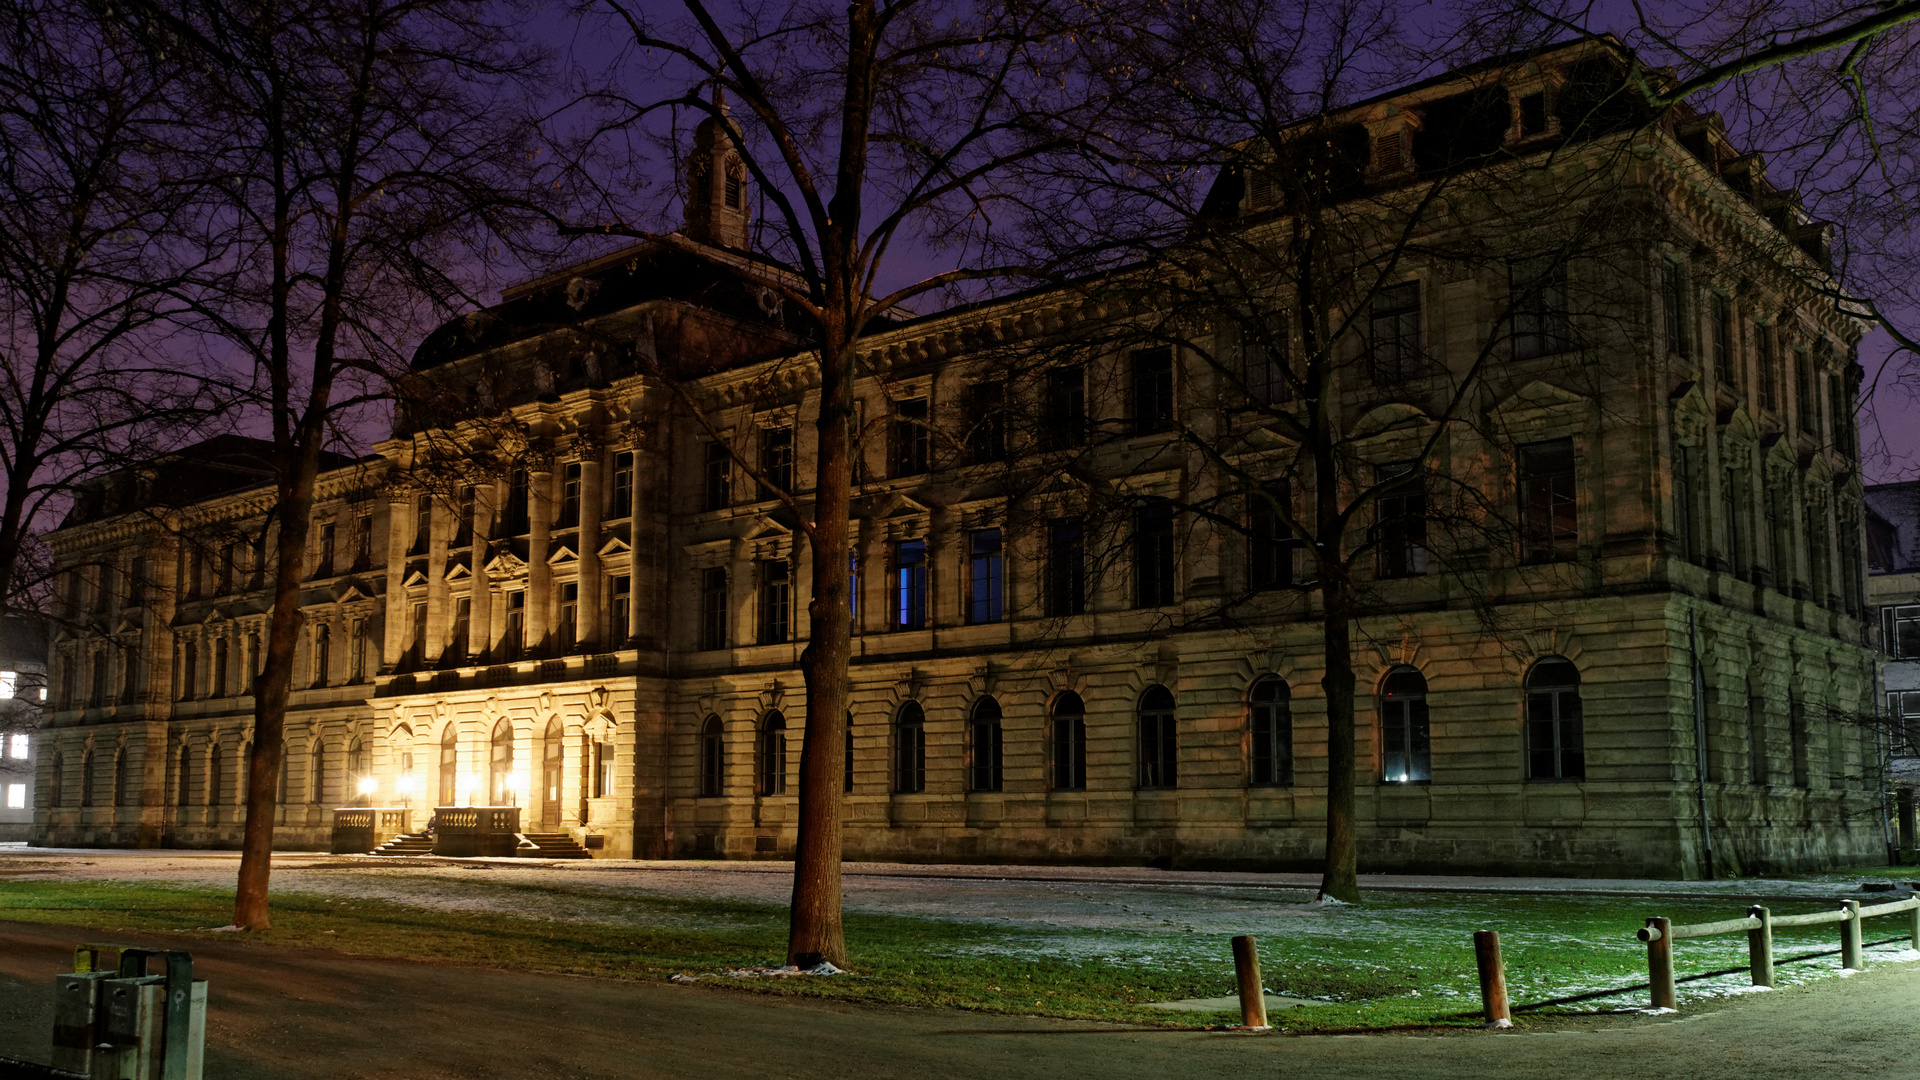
<point>458,571</point>
<point>614,546</point>
<point>1538,394</point>
<point>562,553</point>
<point>348,591</point>
<point>413,578</point>
<point>506,564</point>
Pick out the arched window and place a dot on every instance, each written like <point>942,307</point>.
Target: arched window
<point>54,779</point>
<point>1069,743</point>
<point>1270,733</point>
<point>317,772</point>
<point>500,775</point>
<point>183,778</point>
<point>215,768</point>
<point>1405,757</point>
<point>713,759</point>
<point>910,749</point>
<point>358,772</point>
<point>984,746</point>
<point>120,777</point>
<point>773,755</point>
<point>553,757</point>
<point>449,764</point>
<point>1159,746</point>
<point>86,777</point>
<point>1555,750</point>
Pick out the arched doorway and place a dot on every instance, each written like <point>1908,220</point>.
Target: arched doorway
<point>500,776</point>
<point>552,772</point>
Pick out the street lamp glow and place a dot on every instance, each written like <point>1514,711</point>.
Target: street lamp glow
<point>406,784</point>
<point>368,785</point>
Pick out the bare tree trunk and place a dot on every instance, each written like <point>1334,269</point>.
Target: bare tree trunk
<point>1338,878</point>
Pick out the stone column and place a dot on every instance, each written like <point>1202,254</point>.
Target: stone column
<point>539,543</point>
<point>439,615</point>
<point>590,618</point>
<point>396,597</point>
<point>481,635</point>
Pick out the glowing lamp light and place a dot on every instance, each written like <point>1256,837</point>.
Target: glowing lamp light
<point>517,781</point>
<point>368,785</point>
<point>407,784</point>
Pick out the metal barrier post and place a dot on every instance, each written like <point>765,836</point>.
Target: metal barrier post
<point>1760,946</point>
<point>1493,978</point>
<point>1852,955</point>
<point>1659,937</point>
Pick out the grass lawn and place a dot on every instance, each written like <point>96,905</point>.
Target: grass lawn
<point>1400,959</point>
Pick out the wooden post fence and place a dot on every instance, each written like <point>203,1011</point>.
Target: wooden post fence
<point>1852,937</point>
<point>1253,996</point>
<point>1760,946</point>
<point>1760,924</point>
<point>1493,978</point>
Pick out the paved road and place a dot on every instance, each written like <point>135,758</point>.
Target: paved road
<point>305,1014</point>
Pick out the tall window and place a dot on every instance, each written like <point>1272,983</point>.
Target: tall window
<point>216,773</point>
<point>1405,756</point>
<point>713,608</point>
<point>1540,323</point>
<point>462,526</point>
<point>449,765</point>
<point>1270,733</point>
<point>322,656</point>
<point>1270,543</point>
<point>1152,371</point>
<point>983,772</point>
<point>1069,743</point>
<point>1805,406</point>
<point>516,518</point>
<point>716,478</point>
<point>1159,745</point>
<point>907,439</point>
<point>1153,566</point>
<point>515,640</point>
<point>1063,420</point>
<point>1066,570</point>
<point>986,438</point>
<point>1555,747</point>
<point>1393,344</point>
<point>1686,535</point>
<point>500,766</point>
<point>569,496</point>
<point>189,673</point>
<point>712,758</point>
<point>620,498</point>
<point>86,776</point>
<point>776,459</point>
<point>1674,309</point>
<point>57,779</point>
<point>910,585</point>
<point>1900,631</point>
<point>567,625</point>
<point>183,780</point>
<point>323,564</point>
<point>910,750</point>
<point>359,767</point>
<point>462,627</point>
<point>1765,362</point>
<point>230,555</point>
<point>1733,508</point>
<point>1264,354</point>
<point>1756,736</point>
<point>776,601</point>
<point>1549,527</point>
<point>317,770</point>
<point>1400,523</point>
<point>422,523</point>
<point>603,769</point>
<point>773,755</point>
<point>986,576</point>
<point>1724,362</point>
<point>417,650</point>
<point>618,611</point>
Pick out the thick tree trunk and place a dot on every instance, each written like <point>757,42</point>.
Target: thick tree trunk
<point>814,931</point>
<point>1338,878</point>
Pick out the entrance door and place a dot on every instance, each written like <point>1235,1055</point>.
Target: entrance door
<point>551,773</point>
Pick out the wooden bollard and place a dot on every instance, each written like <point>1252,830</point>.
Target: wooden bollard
<point>1760,946</point>
<point>1659,938</point>
<point>1253,996</point>
<point>1852,954</point>
<point>1916,921</point>
<point>1493,978</point>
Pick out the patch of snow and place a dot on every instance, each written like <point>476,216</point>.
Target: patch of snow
<point>681,978</point>
<point>1327,902</point>
<point>1845,972</point>
<point>1501,1024</point>
<point>1656,1012</point>
<point>1746,990</point>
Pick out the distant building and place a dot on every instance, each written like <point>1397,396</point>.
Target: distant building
<point>1893,591</point>
<point>557,589</point>
<point>23,691</point>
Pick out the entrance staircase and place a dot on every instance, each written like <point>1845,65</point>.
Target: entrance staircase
<point>550,845</point>
<point>420,843</point>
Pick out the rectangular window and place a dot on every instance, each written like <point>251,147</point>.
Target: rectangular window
<point>1270,543</point>
<point>9,685</point>
<point>1540,323</point>
<point>1764,365</point>
<point>462,526</point>
<point>1152,371</point>
<point>137,580</point>
<point>1066,571</point>
<point>194,572</point>
<point>417,651</point>
<point>517,517</point>
<point>986,437</point>
<point>907,438</point>
<point>986,576</point>
<point>1400,523</point>
<point>16,744</point>
<point>1841,420</point>
<point>462,627</point>
<point>1724,361</point>
<point>323,566</point>
<point>1533,114</point>
<point>1674,308</point>
<point>1153,565</point>
<point>1393,341</point>
<point>1064,413</point>
<point>618,612</point>
<point>322,658</point>
<point>776,460</point>
<point>1549,529</point>
<point>716,478</point>
<point>16,796</point>
<point>229,558</point>
<point>422,523</point>
<point>713,608</point>
<point>567,625</point>
<point>515,640</point>
<point>603,760</point>
<point>1732,508</point>
<point>1804,404</point>
<point>776,601</point>
<point>1686,537</point>
<point>909,608</point>
<point>620,500</point>
<point>569,496</point>
<point>1264,360</point>
<point>1900,631</point>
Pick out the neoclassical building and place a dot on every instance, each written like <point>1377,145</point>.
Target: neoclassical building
<point>567,582</point>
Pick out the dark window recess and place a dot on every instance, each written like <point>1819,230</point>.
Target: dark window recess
<point>735,191</point>
<point>776,601</point>
<point>1152,390</point>
<point>619,611</point>
<point>1766,361</point>
<point>1063,419</point>
<point>713,608</point>
<point>1674,308</point>
<point>516,634</point>
<point>1153,562</point>
<point>1540,323</point>
<point>983,762</point>
<point>1724,361</point>
<point>1405,754</point>
<point>909,585</point>
<point>515,517</point>
<point>776,460</point>
<point>773,755</point>
<point>1159,742</point>
<point>986,436</point>
<point>1548,522</point>
<point>1069,743</point>
<point>1900,631</point>
<point>422,523</point>
<point>1533,115</point>
<point>567,621</point>
<point>1270,734</point>
<point>462,527</point>
<point>1462,128</point>
<point>1065,583</point>
<point>716,478</point>
<point>569,496</point>
<point>910,750</point>
<point>323,569</point>
<point>1393,342</point>
<point>986,576</point>
<point>1554,747</point>
<point>1804,403</point>
<point>1270,544</point>
<point>620,502</point>
<point>712,758</point>
<point>907,439</point>
<point>1400,524</point>
<point>1264,360</point>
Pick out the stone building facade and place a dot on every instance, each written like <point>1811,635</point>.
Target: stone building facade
<point>565,584</point>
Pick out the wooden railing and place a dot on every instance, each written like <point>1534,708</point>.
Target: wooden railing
<point>1759,924</point>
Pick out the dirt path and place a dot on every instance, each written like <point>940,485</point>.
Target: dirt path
<point>294,1014</point>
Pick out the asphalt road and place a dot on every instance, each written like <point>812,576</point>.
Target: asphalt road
<point>293,1014</point>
